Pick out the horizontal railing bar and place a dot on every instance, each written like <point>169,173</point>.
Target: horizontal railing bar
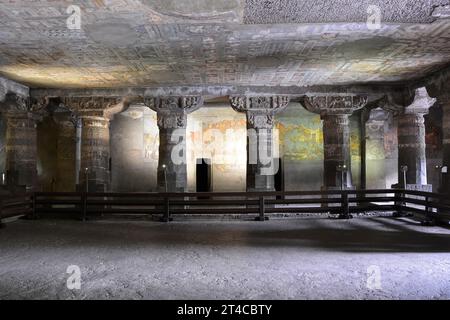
<point>125,211</point>
<point>214,211</point>
<point>46,202</point>
<point>373,208</point>
<point>56,210</point>
<point>303,201</point>
<point>303,210</point>
<point>374,199</point>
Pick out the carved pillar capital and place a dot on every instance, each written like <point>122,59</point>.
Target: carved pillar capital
<point>101,107</point>
<point>260,111</point>
<point>172,111</point>
<point>327,105</point>
<point>419,103</point>
<point>19,106</point>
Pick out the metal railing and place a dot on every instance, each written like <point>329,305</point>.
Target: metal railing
<point>82,205</point>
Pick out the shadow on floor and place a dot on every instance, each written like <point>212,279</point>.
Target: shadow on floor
<point>357,235</point>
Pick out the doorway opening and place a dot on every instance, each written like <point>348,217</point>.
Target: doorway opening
<point>203,175</point>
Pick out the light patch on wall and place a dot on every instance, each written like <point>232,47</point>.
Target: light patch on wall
<point>218,134</point>
<point>151,137</point>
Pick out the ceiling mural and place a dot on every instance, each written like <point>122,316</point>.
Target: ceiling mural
<point>135,43</point>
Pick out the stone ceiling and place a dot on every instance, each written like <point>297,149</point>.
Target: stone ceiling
<point>155,43</point>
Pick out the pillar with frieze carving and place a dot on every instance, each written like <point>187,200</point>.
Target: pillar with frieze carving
<point>335,111</point>
<point>411,141</point>
<point>22,114</point>
<point>444,100</point>
<point>172,121</point>
<point>66,144</point>
<point>94,114</point>
<point>260,112</point>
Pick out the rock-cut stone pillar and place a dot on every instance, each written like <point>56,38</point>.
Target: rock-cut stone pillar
<point>260,112</point>
<point>335,111</point>
<point>441,91</point>
<point>66,169</point>
<point>94,115</point>
<point>411,141</point>
<point>172,121</point>
<point>22,114</point>
<point>380,155</point>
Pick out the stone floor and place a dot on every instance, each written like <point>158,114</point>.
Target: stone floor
<point>305,258</point>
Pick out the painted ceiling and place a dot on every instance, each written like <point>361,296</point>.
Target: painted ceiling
<point>153,43</point>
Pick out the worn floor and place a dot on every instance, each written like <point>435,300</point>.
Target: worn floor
<point>306,258</point>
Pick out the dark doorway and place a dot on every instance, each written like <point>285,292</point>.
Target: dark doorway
<point>279,177</point>
<point>203,175</point>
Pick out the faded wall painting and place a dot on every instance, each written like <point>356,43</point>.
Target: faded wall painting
<point>219,134</point>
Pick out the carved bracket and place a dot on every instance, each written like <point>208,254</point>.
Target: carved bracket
<point>105,107</point>
<point>185,104</point>
<point>18,105</point>
<point>267,104</point>
<point>260,111</point>
<point>172,111</point>
<point>334,104</point>
<point>420,104</point>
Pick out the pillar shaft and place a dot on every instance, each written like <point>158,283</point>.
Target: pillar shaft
<point>172,170</point>
<point>412,147</point>
<point>66,154</point>
<point>336,140</point>
<point>172,121</point>
<point>335,111</point>
<point>92,147</point>
<point>260,161</point>
<point>21,151</point>
<point>95,153</point>
<point>411,141</point>
<point>379,159</point>
<point>260,112</point>
<point>445,102</point>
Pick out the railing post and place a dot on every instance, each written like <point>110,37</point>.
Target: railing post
<point>399,203</point>
<point>166,209</point>
<point>428,221</point>
<point>2,225</point>
<point>345,214</point>
<point>261,209</point>
<point>33,207</point>
<point>83,206</point>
